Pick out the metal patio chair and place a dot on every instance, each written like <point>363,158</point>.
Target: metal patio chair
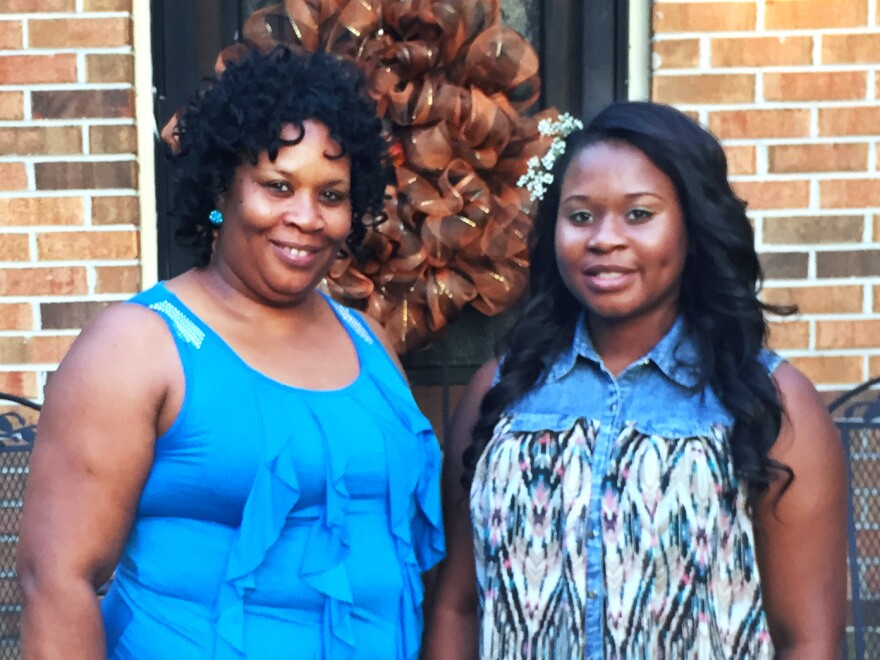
<point>857,415</point>
<point>18,424</point>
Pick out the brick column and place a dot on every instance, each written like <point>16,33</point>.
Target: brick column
<point>68,177</point>
<point>791,88</point>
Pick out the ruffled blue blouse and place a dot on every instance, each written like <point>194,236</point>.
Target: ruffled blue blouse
<point>278,521</point>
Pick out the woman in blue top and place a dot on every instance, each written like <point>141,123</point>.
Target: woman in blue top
<point>646,479</point>
<point>243,452</point>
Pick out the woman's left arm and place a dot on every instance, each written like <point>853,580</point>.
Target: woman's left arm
<point>800,532</point>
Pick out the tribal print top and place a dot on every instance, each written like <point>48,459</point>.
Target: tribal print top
<point>607,519</point>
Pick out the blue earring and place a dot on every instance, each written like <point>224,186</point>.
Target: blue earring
<point>215,218</point>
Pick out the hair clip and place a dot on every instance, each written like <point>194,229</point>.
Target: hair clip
<point>538,176</point>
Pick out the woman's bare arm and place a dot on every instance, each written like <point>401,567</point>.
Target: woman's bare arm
<point>452,631</point>
<point>801,533</point>
<point>93,452</point>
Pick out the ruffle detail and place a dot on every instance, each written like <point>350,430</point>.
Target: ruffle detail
<point>415,518</point>
<point>274,494</point>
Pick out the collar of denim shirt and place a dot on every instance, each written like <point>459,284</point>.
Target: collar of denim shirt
<point>676,355</point>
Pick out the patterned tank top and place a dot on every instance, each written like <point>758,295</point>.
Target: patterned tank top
<point>607,519</point>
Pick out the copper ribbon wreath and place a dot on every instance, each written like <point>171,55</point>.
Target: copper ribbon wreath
<point>451,83</point>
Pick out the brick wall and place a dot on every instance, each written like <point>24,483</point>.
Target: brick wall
<point>68,177</point>
<point>792,87</point>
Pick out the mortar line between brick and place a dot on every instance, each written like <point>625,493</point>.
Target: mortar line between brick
<point>32,246</point>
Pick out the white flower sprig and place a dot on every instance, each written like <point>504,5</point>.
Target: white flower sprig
<point>538,176</point>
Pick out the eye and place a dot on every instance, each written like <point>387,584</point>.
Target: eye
<point>278,186</point>
<point>580,217</point>
<point>334,196</point>
<point>639,215</point>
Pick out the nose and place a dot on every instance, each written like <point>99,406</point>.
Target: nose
<point>304,212</point>
<point>607,235</point>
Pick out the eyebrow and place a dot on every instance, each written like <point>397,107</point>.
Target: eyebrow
<point>274,169</point>
<point>632,195</point>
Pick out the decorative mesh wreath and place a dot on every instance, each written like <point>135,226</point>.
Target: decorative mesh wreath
<point>451,83</point>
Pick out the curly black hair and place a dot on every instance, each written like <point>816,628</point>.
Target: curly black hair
<point>240,114</point>
<point>720,283</point>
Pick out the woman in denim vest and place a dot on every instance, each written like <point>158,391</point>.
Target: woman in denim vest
<point>645,478</point>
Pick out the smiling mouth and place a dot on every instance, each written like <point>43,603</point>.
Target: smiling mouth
<point>608,280</point>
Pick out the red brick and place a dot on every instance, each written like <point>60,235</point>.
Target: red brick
<point>16,316</point>
<point>861,120</point>
<point>738,124</point>
<point>814,14</point>
<point>677,53</point>
<point>40,140</point>
<point>841,157</point>
<point>41,211</point>
<point>850,48</point>
<point>774,194</point>
<point>44,349</point>
<point>762,51</point>
<point>815,85</point>
<point>107,5</point>
<point>817,299</point>
<point>11,105</point>
<point>847,334</point>
<point>14,247</point>
<point>874,365</point>
<point>57,281</point>
<point>830,369</point>
<point>79,104</point>
<point>810,229</point>
<point>79,33</point>
<point>64,246</point>
<point>704,17</point>
<point>788,335</point>
<point>118,279</point>
<point>70,315</point>
<point>876,233</point>
<point>20,383</point>
<point>13,176</point>
<point>36,6</point>
<point>112,139</point>
<point>110,68</point>
<point>849,193</point>
<point>705,88</point>
<point>85,175</point>
<point>115,210</point>
<point>10,35</point>
<point>34,69</point>
<point>740,159</point>
<point>847,263</point>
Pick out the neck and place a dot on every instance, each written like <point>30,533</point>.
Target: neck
<point>228,292</point>
<point>620,342</point>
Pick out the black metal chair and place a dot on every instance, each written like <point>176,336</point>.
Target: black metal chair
<point>857,415</point>
<point>18,425</point>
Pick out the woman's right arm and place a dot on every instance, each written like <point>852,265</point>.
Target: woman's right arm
<point>93,452</point>
<point>452,632</point>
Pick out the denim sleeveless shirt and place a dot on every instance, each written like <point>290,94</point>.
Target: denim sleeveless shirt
<point>608,522</point>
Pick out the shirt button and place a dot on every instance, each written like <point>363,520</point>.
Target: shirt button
<point>592,534</point>
<point>592,594</point>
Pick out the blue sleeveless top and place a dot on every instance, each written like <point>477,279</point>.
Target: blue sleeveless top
<point>278,521</point>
